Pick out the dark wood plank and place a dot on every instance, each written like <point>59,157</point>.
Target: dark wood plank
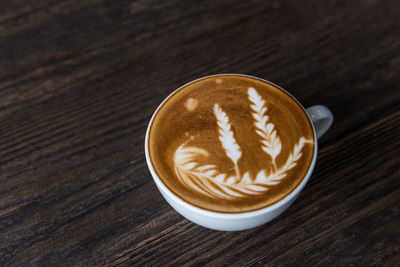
<point>79,81</point>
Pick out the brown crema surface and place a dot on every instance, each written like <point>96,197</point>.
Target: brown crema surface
<point>187,119</point>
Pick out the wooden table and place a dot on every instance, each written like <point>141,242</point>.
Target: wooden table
<point>79,81</point>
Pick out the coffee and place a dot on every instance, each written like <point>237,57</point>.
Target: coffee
<point>231,143</point>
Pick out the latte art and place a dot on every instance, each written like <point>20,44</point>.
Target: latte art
<point>208,180</point>
<point>231,143</point>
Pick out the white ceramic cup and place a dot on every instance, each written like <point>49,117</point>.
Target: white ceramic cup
<point>321,118</point>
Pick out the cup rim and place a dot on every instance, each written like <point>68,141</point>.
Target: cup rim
<point>160,184</point>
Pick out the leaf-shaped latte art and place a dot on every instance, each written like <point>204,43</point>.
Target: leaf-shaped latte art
<point>271,144</point>
<point>209,180</point>
<point>226,137</point>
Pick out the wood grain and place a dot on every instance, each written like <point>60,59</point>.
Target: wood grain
<point>79,81</point>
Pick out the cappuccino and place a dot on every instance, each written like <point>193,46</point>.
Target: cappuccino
<point>231,143</point>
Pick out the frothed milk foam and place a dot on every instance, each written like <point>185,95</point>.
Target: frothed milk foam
<point>231,143</point>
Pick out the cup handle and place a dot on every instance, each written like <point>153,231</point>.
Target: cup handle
<point>321,117</point>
